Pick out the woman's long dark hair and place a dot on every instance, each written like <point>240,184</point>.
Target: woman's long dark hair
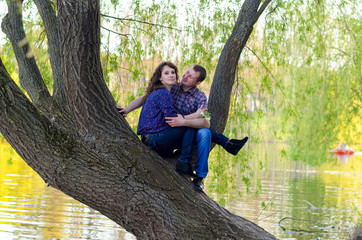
<point>155,83</point>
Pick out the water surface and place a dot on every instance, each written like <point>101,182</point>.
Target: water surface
<point>295,200</point>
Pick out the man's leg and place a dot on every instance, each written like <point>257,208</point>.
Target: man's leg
<point>232,146</point>
<point>219,138</point>
<point>203,140</point>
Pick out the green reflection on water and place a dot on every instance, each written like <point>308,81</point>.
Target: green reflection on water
<point>280,189</point>
<point>314,201</point>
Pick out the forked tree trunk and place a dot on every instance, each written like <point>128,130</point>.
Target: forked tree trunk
<point>78,143</point>
<point>224,78</point>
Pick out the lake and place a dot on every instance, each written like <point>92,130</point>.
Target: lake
<point>288,198</point>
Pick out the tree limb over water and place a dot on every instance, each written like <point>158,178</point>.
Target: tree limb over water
<point>78,143</point>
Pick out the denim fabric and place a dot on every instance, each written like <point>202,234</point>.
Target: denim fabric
<point>218,138</point>
<point>169,139</point>
<point>188,143</point>
<point>203,140</point>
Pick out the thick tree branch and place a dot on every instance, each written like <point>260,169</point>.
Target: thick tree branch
<point>29,75</point>
<point>224,78</point>
<point>260,11</point>
<point>49,18</point>
<point>23,125</point>
<point>83,80</point>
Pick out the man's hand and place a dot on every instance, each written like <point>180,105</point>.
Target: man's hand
<point>122,110</point>
<point>202,111</point>
<point>197,114</point>
<point>178,121</point>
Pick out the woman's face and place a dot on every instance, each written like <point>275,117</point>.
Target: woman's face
<point>168,76</point>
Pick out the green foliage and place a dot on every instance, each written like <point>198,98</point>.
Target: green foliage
<point>298,80</point>
<point>312,44</point>
<point>226,174</point>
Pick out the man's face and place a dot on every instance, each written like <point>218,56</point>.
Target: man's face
<point>189,79</point>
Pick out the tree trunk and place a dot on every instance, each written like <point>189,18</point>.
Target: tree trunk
<point>78,143</point>
<point>224,78</point>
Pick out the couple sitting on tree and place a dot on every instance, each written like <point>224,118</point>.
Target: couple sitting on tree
<point>173,118</point>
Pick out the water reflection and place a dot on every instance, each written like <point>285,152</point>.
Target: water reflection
<point>315,202</point>
<point>31,210</point>
<point>294,201</point>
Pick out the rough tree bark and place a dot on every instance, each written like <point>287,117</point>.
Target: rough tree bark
<point>224,78</point>
<point>78,143</point>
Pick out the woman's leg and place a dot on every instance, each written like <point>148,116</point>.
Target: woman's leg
<point>187,145</point>
<point>183,165</point>
<point>166,141</point>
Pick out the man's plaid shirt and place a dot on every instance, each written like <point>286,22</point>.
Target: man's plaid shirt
<point>188,102</point>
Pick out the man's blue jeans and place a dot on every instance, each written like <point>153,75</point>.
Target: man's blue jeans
<point>169,139</point>
<point>218,138</point>
<point>166,141</point>
<point>204,138</point>
<point>203,141</point>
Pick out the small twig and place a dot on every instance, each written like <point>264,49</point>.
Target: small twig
<point>345,53</point>
<point>129,70</point>
<point>358,94</point>
<point>311,205</point>
<point>144,22</point>
<point>121,34</point>
<point>271,11</point>
<point>256,219</point>
<point>303,220</point>
<point>251,50</point>
<point>267,216</point>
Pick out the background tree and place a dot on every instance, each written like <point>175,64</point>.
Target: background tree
<point>78,143</point>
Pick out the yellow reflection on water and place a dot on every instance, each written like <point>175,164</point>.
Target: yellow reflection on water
<point>31,210</point>
<point>17,182</point>
<point>343,173</point>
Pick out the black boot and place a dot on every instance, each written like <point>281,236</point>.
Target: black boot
<point>198,183</point>
<point>234,145</point>
<point>184,168</point>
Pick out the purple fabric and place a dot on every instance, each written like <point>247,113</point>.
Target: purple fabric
<point>157,106</point>
<point>187,102</point>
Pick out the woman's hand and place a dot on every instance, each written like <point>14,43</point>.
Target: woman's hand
<point>122,110</point>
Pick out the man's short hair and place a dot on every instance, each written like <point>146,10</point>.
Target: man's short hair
<point>202,71</point>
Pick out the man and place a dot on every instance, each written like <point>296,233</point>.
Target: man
<point>190,102</point>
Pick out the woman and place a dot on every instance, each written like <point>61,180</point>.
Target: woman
<point>158,104</point>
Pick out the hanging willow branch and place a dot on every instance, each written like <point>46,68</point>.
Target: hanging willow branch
<point>271,74</point>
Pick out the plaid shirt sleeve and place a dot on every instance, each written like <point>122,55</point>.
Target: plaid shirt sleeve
<point>200,99</point>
